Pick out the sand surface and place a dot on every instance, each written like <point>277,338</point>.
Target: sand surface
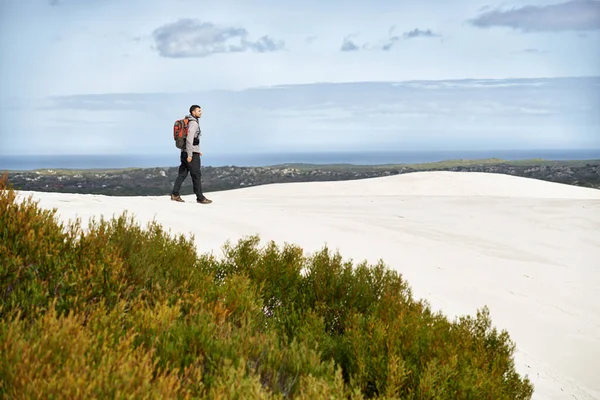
<point>527,249</point>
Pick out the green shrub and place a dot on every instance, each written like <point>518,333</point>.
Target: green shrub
<point>115,310</point>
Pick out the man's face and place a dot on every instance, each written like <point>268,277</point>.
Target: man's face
<point>197,112</point>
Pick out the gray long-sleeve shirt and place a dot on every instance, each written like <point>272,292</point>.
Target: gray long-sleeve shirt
<point>193,133</point>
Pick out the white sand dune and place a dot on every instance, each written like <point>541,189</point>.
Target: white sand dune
<point>527,249</point>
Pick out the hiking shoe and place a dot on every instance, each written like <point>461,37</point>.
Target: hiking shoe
<point>204,201</point>
<point>177,198</point>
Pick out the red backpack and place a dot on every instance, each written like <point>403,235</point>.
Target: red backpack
<point>180,132</point>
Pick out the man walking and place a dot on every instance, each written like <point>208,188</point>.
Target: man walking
<point>190,159</point>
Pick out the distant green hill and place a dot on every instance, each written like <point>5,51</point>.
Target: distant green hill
<point>444,164</point>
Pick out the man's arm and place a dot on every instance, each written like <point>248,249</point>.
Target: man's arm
<point>189,140</point>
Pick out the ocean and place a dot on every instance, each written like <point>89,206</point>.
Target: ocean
<point>32,162</point>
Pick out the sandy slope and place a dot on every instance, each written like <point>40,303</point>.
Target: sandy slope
<point>528,249</point>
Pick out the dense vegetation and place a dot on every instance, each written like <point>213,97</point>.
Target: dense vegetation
<point>115,310</point>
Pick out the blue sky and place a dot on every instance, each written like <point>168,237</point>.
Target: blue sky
<point>110,76</point>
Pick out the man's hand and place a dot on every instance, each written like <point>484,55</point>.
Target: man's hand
<point>189,159</point>
<point>200,154</point>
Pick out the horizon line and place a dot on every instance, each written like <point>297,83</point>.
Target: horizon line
<point>338,151</point>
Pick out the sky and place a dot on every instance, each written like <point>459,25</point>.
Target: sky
<point>111,76</point>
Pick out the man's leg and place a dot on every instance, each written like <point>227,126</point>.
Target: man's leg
<point>197,178</point>
<point>183,172</point>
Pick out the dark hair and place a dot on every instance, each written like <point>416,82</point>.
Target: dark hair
<point>192,108</point>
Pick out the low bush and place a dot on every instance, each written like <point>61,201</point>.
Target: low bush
<point>115,310</point>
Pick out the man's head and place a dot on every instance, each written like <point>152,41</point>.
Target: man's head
<point>196,111</point>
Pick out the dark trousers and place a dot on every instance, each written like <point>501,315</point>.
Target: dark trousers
<point>193,168</point>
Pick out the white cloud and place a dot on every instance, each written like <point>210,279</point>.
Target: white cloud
<point>415,33</point>
<point>193,38</point>
<point>349,45</point>
<point>574,15</point>
<point>389,42</point>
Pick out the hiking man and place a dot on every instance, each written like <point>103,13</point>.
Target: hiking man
<point>190,159</point>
